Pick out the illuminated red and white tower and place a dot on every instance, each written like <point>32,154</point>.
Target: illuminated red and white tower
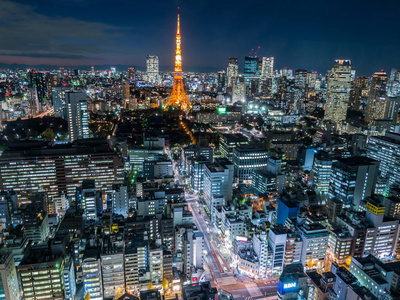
<point>178,96</point>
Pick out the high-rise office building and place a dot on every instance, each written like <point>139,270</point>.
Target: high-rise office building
<point>221,79</point>
<point>277,242</point>
<point>58,95</point>
<point>250,68</point>
<point>353,179</point>
<point>125,94</point>
<point>247,159</point>
<point>218,179</point>
<point>393,85</point>
<point>228,142</point>
<point>359,95</point>
<point>267,69</point>
<point>132,74</point>
<point>152,69</point>
<point>377,101</point>
<point>56,169</point>
<point>382,234</point>
<point>91,273</point>
<point>300,89</point>
<point>77,115</point>
<point>37,80</point>
<point>239,90</point>
<point>232,71</point>
<point>338,92</point>
<point>69,279</point>
<point>120,200</point>
<point>9,287</point>
<point>112,269</point>
<point>386,150</point>
<point>321,172</point>
<point>315,242</point>
<point>41,274</point>
<point>88,199</point>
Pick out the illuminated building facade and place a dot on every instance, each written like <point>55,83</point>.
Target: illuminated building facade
<point>112,264</point>
<point>91,272</point>
<point>338,93</point>
<point>58,95</point>
<point>250,67</point>
<point>293,283</point>
<point>228,142</point>
<point>178,97</point>
<point>386,150</point>
<point>132,74</point>
<point>382,233</point>
<point>377,101</point>
<point>315,242</point>
<point>218,179</point>
<point>152,71</point>
<point>321,172</point>
<point>353,179</point>
<point>232,71</point>
<point>393,85</point>
<point>42,275</point>
<point>9,287</point>
<point>239,89</point>
<point>77,115</point>
<point>267,70</point>
<point>372,274</point>
<point>247,159</point>
<point>59,168</point>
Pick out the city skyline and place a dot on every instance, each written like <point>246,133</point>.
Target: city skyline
<point>298,35</point>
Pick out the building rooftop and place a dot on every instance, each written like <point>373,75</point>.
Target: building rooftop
<point>357,161</point>
<point>42,148</point>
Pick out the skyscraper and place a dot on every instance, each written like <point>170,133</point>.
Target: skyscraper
<point>77,115</point>
<point>377,100</point>
<point>393,86</point>
<point>353,179</point>
<point>152,70</point>
<point>232,71</point>
<point>239,90</point>
<point>267,70</point>
<point>386,150</point>
<point>88,199</point>
<point>300,83</point>
<point>8,278</point>
<point>132,74</point>
<point>125,94</point>
<point>58,95</point>
<point>221,79</point>
<point>250,68</point>
<point>338,94</point>
<point>178,96</point>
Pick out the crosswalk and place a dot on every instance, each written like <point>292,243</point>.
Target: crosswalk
<point>253,289</point>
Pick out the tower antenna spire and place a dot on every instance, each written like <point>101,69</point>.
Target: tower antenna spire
<point>178,96</point>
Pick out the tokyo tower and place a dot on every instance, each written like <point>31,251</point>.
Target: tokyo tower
<point>178,96</point>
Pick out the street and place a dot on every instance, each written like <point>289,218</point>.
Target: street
<point>218,270</point>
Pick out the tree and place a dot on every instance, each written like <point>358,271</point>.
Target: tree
<point>165,284</point>
<point>49,134</point>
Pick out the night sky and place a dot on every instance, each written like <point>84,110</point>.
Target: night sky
<point>298,33</point>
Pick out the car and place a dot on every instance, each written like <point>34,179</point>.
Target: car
<point>225,269</point>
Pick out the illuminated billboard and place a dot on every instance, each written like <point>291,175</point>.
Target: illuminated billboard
<point>287,287</point>
<point>222,110</point>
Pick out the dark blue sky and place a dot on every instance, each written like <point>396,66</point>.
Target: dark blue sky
<point>298,33</point>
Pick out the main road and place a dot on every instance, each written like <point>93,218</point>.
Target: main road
<point>219,270</point>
